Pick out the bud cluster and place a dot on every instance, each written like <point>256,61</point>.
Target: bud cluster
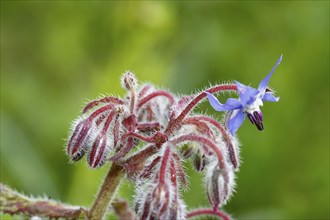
<point>150,133</point>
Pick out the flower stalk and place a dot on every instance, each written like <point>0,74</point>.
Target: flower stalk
<point>106,193</point>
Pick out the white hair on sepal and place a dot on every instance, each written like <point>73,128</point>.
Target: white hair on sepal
<point>104,154</point>
<point>143,190</point>
<point>82,147</point>
<point>221,179</point>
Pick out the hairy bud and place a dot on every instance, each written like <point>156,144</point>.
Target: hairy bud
<point>129,81</point>
<point>160,199</point>
<point>77,143</point>
<point>219,184</point>
<point>199,161</point>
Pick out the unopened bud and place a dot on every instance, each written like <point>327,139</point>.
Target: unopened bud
<point>219,183</point>
<point>97,156</point>
<point>199,161</point>
<point>129,81</point>
<point>77,143</point>
<point>160,199</point>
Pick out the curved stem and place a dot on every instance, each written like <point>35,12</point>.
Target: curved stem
<point>107,99</point>
<point>199,212</point>
<point>154,95</point>
<point>194,102</point>
<point>233,153</point>
<point>106,193</point>
<point>202,140</point>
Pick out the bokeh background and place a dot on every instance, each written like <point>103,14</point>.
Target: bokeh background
<point>57,55</point>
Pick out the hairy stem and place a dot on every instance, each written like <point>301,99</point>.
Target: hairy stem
<point>218,88</point>
<point>133,101</point>
<point>14,203</point>
<point>199,212</point>
<point>164,164</point>
<point>154,95</point>
<point>106,193</point>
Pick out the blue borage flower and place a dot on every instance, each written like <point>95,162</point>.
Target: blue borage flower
<point>250,99</point>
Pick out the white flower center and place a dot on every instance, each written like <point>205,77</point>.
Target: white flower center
<point>254,106</point>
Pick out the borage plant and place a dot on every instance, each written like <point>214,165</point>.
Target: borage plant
<point>147,136</point>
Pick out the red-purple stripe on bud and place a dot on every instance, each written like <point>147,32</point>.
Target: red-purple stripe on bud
<point>199,161</point>
<point>77,142</point>
<point>100,147</point>
<point>129,81</point>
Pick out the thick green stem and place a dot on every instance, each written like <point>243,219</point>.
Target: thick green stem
<point>106,193</point>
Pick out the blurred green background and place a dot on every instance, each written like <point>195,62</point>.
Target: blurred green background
<point>57,55</point>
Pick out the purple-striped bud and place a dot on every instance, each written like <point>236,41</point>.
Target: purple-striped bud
<point>160,200</point>
<point>101,145</point>
<point>77,143</point>
<point>219,184</point>
<point>129,81</point>
<point>99,151</point>
<point>199,161</point>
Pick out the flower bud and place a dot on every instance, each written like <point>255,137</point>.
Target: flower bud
<point>199,161</point>
<point>219,183</point>
<point>77,143</point>
<point>101,145</point>
<point>99,151</point>
<point>129,81</point>
<point>160,200</point>
<point>232,146</point>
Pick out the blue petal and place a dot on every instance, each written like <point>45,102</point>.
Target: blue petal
<point>264,83</point>
<point>247,94</point>
<point>269,97</point>
<point>231,104</point>
<point>234,103</point>
<point>235,121</point>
